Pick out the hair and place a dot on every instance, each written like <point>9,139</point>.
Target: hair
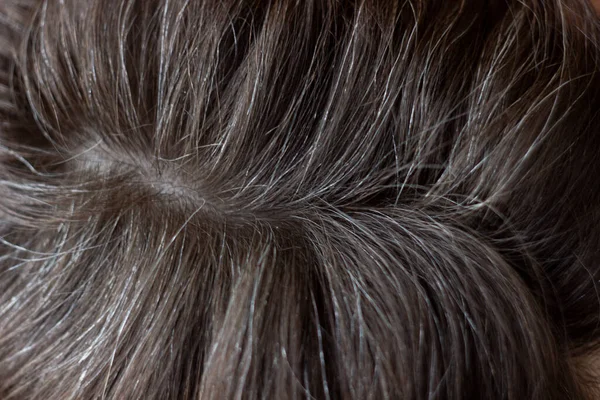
<point>312,199</point>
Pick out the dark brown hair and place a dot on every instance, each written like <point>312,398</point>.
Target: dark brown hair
<point>367,199</point>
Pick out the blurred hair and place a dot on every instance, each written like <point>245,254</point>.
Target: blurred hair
<point>323,199</point>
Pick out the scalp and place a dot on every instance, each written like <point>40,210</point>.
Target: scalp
<point>230,199</point>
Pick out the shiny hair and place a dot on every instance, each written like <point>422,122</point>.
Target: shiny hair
<point>314,199</point>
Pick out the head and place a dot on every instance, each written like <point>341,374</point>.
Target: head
<point>315,199</point>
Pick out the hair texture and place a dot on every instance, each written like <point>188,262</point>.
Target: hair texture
<point>314,199</point>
